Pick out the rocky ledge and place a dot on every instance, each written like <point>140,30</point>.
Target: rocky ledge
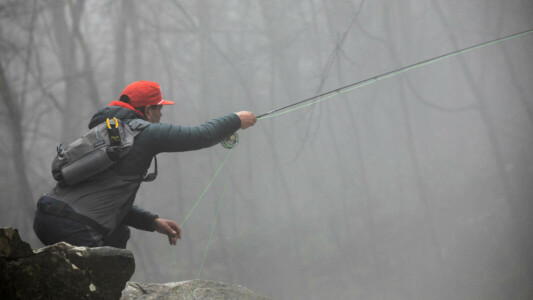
<point>63,271</point>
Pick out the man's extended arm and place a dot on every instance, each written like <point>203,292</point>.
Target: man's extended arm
<point>163,137</point>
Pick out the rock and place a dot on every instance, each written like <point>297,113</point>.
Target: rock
<point>192,289</point>
<point>11,246</point>
<point>61,271</point>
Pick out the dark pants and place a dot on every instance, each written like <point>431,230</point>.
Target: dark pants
<point>51,229</point>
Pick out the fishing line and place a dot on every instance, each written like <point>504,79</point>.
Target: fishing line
<point>196,204</point>
<point>219,208</point>
<point>206,188</point>
<point>213,224</point>
<point>232,141</point>
<point>362,83</point>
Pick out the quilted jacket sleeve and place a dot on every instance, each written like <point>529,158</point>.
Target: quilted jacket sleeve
<point>163,137</point>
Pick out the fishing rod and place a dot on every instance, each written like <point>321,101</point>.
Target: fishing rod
<point>232,140</point>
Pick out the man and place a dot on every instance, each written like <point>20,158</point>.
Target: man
<point>99,210</point>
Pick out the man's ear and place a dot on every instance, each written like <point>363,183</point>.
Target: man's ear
<point>148,113</point>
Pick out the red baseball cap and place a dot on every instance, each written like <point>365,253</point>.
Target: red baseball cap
<point>142,93</point>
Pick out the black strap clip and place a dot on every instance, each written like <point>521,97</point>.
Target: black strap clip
<point>114,133</point>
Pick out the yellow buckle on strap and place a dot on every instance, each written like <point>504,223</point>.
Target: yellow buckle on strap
<point>109,125</point>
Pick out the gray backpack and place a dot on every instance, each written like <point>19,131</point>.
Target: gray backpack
<point>100,148</point>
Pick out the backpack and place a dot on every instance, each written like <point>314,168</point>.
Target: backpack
<point>100,148</point>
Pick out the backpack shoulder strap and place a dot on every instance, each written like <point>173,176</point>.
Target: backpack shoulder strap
<point>138,124</point>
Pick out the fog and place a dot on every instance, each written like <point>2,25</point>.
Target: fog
<point>418,186</point>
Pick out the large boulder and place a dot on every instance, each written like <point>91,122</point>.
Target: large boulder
<point>61,271</point>
<point>192,289</point>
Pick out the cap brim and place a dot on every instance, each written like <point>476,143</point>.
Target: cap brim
<point>165,102</point>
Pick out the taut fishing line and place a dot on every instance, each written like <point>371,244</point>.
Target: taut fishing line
<point>231,141</point>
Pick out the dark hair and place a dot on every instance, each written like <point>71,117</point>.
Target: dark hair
<point>141,109</point>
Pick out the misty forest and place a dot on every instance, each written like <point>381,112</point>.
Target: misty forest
<point>417,186</point>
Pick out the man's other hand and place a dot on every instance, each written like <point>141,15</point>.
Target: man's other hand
<point>247,119</point>
<point>168,227</point>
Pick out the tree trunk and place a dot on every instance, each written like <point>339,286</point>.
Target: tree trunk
<point>14,124</point>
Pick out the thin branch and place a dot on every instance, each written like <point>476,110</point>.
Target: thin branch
<point>410,84</point>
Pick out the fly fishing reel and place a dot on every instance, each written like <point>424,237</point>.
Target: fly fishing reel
<point>231,141</point>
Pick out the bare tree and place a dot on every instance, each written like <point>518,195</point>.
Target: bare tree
<point>69,41</point>
<point>14,83</point>
<point>13,120</point>
<point>512,199</point>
